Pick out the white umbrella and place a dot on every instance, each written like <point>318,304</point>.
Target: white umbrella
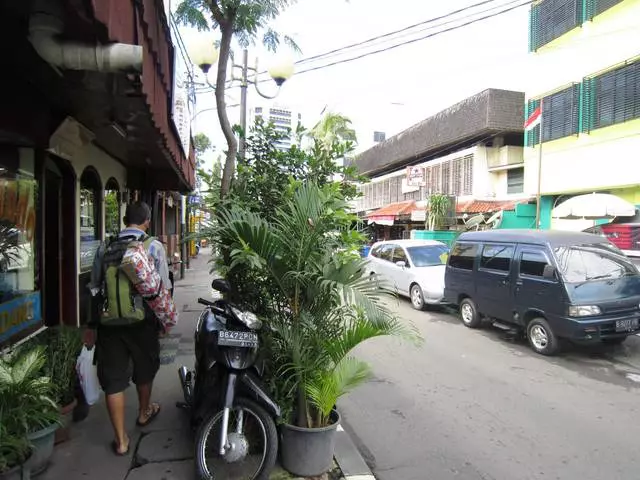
<point>594,206</point>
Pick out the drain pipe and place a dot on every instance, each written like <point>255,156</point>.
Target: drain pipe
<point>46,24</point>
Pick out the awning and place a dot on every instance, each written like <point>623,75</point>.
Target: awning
<point>594,206</point>
<point>487,206</point>
<point>389,213</point>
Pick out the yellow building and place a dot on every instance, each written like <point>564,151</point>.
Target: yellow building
<point>585,65</point>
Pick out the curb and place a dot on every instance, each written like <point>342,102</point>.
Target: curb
<point>349,459</point>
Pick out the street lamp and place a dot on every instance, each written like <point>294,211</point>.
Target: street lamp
<point>204,54</point>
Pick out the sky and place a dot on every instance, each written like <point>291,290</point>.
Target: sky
<point>387,91</point>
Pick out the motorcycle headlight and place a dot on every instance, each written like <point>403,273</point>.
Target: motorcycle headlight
<point>584,310</point>
<point>248,318</point>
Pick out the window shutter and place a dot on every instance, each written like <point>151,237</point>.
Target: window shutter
<point>551,19</point>
<point>560,113</point>
<point>596,7</point>
<point>446,177</point>
<point>467,167</point>
<point>615,96</point>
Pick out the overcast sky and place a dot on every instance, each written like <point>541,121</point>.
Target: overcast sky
<point>388,91</point>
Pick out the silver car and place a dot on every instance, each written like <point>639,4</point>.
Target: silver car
<point>414,268</point>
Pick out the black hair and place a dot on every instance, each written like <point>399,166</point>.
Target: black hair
<point>137,213</point>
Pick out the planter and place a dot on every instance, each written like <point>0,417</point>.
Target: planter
<point>63,433</point>
<point>308,452</point>
<point>42,442</point>
<point>21,472</point>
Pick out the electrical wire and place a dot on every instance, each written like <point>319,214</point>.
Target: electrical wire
<point>414,40</point>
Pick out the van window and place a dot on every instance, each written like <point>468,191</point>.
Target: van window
<point>399,255</point>
<point>532,264</point>
<point>497,257</point>
<point>463,255</point>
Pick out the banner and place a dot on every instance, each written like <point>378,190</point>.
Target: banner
<point>415,176</point>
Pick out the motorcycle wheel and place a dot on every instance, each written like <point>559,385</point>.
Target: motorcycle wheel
<point>210,465</point>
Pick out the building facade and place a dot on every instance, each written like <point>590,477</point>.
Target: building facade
<point>87,128</point>
<point>471,151</point>
<point>585,66</point>
<point>285,120</point>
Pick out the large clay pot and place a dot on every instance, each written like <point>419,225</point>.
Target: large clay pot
<point>63,433</point>
<point>308,452</point>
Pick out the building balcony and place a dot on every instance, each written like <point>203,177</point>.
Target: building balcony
<point>504,158</point>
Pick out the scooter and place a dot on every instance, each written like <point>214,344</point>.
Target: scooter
<point>230,408</point>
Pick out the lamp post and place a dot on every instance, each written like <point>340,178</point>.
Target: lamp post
<point>204,54</point>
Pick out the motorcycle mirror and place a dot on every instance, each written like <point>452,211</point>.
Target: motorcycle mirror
<point>221,285</point>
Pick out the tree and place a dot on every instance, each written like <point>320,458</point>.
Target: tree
<point>201,145</point>
<point>333,127</point>
<point>246,20</point>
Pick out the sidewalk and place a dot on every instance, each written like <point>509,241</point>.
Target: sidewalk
<point>164,450</point>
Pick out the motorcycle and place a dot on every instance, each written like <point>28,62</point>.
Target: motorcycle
<point>229,405</point>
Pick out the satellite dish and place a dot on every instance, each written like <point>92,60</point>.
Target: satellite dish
<point>474,222</point>
<point>496,219</point>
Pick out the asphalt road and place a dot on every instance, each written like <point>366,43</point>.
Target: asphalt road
<point>471,404</point>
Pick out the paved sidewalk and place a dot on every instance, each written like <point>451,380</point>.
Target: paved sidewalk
<point>164,450</point>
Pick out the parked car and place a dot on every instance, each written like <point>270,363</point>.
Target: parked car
<point>414,268</point>
<point>552,285</point>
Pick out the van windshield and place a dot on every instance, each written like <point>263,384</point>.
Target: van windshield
<point>597,261</point>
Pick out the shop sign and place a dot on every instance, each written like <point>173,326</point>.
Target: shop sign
<point>415,176</point>
<point>18,314</point>
<point>419,215</point>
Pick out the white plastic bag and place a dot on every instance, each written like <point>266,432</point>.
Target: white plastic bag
<point>88,375</point>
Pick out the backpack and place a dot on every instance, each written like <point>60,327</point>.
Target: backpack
<point>123,305</point>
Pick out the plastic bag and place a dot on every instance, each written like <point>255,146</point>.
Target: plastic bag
<point>88,375</point>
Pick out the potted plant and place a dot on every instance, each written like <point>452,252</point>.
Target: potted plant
<point>321,307</point>
<point>62,346</point>
<point>15,452</point>
<point>28,409</point>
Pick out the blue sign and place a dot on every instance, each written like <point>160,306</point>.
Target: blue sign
<point>18,314</point>
<point>194,199</point>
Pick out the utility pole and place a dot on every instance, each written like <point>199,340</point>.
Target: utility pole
<point>242,147</point>
<point>539,194</point>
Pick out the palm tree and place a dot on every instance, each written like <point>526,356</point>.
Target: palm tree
<point>322,306</point>
<point>245,20</point>
<point>333,127</point>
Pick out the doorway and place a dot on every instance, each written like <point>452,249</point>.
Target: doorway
<point>59,259</point>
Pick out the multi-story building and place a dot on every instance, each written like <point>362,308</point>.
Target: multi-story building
<point>284,119</point>
<point>87,127</point>
<point>585,66</point>
<point>472,150</point>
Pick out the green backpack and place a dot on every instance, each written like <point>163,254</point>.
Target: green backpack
<point>122,303</point>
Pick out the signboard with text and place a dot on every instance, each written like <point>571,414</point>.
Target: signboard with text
<point>19,314</point>
<point>415,176</point>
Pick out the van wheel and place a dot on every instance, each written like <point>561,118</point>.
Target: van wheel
<point>541,337</point>
<point>469,313</point>
<point>417,300</point>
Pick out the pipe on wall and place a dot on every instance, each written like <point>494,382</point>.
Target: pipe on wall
<point>45,24</point>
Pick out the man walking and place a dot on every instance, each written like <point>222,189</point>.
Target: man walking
<point>128,332</point>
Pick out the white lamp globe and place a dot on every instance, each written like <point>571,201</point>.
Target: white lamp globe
<point>203,52</point>
<point>281,69</point>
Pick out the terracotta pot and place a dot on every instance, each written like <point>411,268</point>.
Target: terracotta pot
<point>66,413</point>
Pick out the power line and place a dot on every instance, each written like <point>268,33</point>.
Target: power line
<point>405,29</point>
<point>414,40</point>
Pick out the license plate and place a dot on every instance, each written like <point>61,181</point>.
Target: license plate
<point>230,338</point>
<point>626,325</point>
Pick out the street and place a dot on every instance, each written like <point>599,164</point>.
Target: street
<point>470,404</point>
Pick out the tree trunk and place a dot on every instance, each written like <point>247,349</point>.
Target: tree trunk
<point>221,79</point>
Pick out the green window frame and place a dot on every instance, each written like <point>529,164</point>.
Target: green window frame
<point>551,19</point>
<point>612,97</point>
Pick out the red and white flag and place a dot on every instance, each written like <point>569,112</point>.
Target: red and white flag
<point>534,119</point>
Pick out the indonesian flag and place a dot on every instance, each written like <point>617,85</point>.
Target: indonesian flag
<point>534,119</point>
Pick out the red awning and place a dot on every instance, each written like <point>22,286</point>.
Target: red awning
<point>487,206</point>
<point>394,209</point>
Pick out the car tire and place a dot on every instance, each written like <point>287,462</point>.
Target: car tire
<point>541,337</point>
<point>417,298</point>
<point>469,313</point>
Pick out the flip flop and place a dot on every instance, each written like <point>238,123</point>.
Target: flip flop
<point>114,447</point>
<point>155,410</point>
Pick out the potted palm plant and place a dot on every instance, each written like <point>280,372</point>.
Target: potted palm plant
<point>26,401</point>
<point>322,307</point>
<point>62,346</point>
<point>14,455</point>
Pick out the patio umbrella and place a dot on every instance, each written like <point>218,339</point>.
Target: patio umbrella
<point>594,206</point>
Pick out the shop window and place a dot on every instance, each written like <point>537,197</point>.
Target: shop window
<point>20,300</point>
<point>90,215</point>
<point>112,208</point>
